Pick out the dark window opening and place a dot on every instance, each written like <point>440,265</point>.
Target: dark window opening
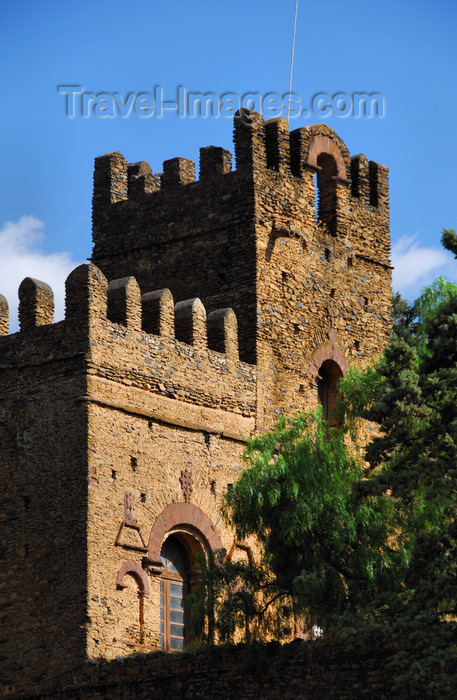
<point>355,176</point>
<point>373,178</point>
<point>328,393</point>
<point>326,191</point>
<point>316,190</point>
<point>174,586</point>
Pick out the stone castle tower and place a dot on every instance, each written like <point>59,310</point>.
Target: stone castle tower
<point>210,307</point>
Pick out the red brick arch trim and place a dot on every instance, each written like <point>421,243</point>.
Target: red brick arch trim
<point>324,144</point>
<point>185,514</point>
<point>133,569</point>
<point>327,351</point>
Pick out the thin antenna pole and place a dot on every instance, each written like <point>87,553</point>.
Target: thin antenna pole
<point>292,59</point>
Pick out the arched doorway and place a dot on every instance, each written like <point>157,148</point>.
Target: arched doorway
<point>327,388</point>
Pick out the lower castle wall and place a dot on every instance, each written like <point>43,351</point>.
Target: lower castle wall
<point>297,670</point>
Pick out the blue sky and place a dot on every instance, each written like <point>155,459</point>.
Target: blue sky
<point>406,51</point>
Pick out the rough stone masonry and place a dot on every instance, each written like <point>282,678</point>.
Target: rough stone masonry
<point>209,308</point>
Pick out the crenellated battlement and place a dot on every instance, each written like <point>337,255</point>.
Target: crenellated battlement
<point>112,319</point>
<point>36,304</point>
<point>90,298</point>
<point>205,238</point>
<point>183,259</point>
<point>260,146</point>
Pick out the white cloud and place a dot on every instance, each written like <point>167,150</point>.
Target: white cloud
<point>416,266</point>
<point>21,256</point>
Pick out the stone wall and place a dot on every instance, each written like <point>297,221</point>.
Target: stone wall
<point>99,423</point>
<point>124,423</point>
<point>194,238</point>
<point>307,670</point>
<point>43,496</point>
<point>158,409</point>
<point>296,245</point>
<point>323,293</point>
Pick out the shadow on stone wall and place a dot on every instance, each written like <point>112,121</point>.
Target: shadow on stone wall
<point>296,670</point>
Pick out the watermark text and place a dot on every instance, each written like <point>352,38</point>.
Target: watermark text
<point>81,103</point>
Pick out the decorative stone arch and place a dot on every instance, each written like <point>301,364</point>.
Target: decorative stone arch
<point>132,568</point>
<point>320,150</point>
<point>327,351</point>
<point>327,366</point>
<point>185,516</point>
<point>320,144</point>
<point>320,138</point>
<point>309,142</point>
<point>180,535</point>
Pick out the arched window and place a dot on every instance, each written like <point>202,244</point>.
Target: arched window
<point>179,538</point>
<point>326,191</point>
<point>174,586</point>
<point>327,388</point>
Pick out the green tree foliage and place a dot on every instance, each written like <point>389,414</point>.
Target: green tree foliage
<point>414,459</point>
<point>449,240</point>
<point>416,410</point>
<point>237,600</point>
<point>410,320</point>
<point>368,552</point>
<point>325,547</point>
